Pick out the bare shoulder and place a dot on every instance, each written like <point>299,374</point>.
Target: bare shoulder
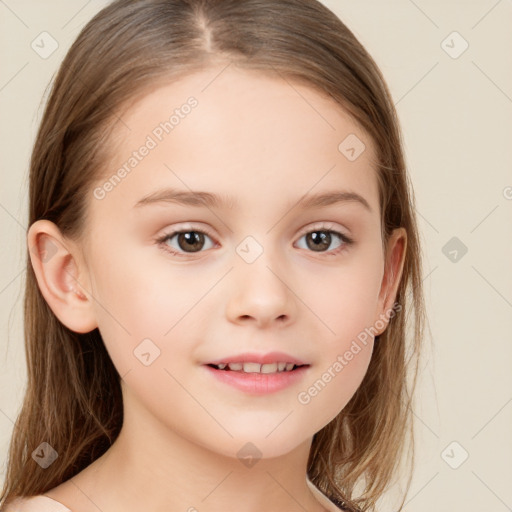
<point>66,494</point>
<point>38,503</point>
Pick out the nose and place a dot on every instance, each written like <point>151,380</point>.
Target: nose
<point>260,294</point>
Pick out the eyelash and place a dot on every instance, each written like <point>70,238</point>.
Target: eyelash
<point>347,241</point>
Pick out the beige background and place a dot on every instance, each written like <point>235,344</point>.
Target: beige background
<point>456,115</point>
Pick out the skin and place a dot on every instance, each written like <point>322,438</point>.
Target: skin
<point>266,143</point>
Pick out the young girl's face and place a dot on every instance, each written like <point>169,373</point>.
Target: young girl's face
<point>255,269</point>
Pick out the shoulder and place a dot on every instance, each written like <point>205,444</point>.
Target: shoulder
<point>39,503</point>
<point>332,504</point>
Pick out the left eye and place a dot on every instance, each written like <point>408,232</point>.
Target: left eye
<point>320,239</point>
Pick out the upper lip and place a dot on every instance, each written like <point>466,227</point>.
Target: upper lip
<point>253,357</point>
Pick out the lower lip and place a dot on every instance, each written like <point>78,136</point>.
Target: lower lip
<point>259,383</point>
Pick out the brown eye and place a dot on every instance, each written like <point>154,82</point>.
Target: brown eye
<point>320,240</point>
<point>190,240</point>
<point>185,241</point>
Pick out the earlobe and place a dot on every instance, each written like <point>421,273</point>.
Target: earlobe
<point>59,276</point>
<point>394,264</point>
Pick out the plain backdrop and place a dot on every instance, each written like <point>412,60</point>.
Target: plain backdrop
<point>448,66</point>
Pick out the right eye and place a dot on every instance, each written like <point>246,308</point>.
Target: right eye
<point>193,239</point>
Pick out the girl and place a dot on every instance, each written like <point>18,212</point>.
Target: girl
<point>223,264</point>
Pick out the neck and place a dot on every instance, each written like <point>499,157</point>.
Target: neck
<point>152,467</point>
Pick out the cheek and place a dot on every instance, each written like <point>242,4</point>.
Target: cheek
<point>345,299</point>
<point>148,332</point>
<point>125,301</point>
<point>341,367</point>
<point>345,302</point>
<point>145,307</point>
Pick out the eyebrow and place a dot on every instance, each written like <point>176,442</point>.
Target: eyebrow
<point>209,200</point>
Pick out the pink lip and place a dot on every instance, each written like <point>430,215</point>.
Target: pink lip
<point>259,383</point>
<point>253,357</point>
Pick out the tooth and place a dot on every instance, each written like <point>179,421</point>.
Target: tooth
<point>252,367</point>
<point>257,367</point>
<point>269,368</point>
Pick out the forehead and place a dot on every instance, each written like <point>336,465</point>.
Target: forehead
<point>239,133</point>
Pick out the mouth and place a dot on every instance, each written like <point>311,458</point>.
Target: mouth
<point>258,379</point>
<point>251,367</point>
<point>254,362</point>
<point>257,374</point>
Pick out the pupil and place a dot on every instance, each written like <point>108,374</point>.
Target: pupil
<point>320,239</point>
<point>192,241</point>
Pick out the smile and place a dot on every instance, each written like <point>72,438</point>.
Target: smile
<point>257,367</point>
<point>257,379</point>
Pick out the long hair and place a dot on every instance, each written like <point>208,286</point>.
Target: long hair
<point>73,398</point>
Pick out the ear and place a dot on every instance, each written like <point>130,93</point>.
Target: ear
<point>394,262</point>
<point>61,276</point>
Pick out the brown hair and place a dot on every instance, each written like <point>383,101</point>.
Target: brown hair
<point>73,399</point>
